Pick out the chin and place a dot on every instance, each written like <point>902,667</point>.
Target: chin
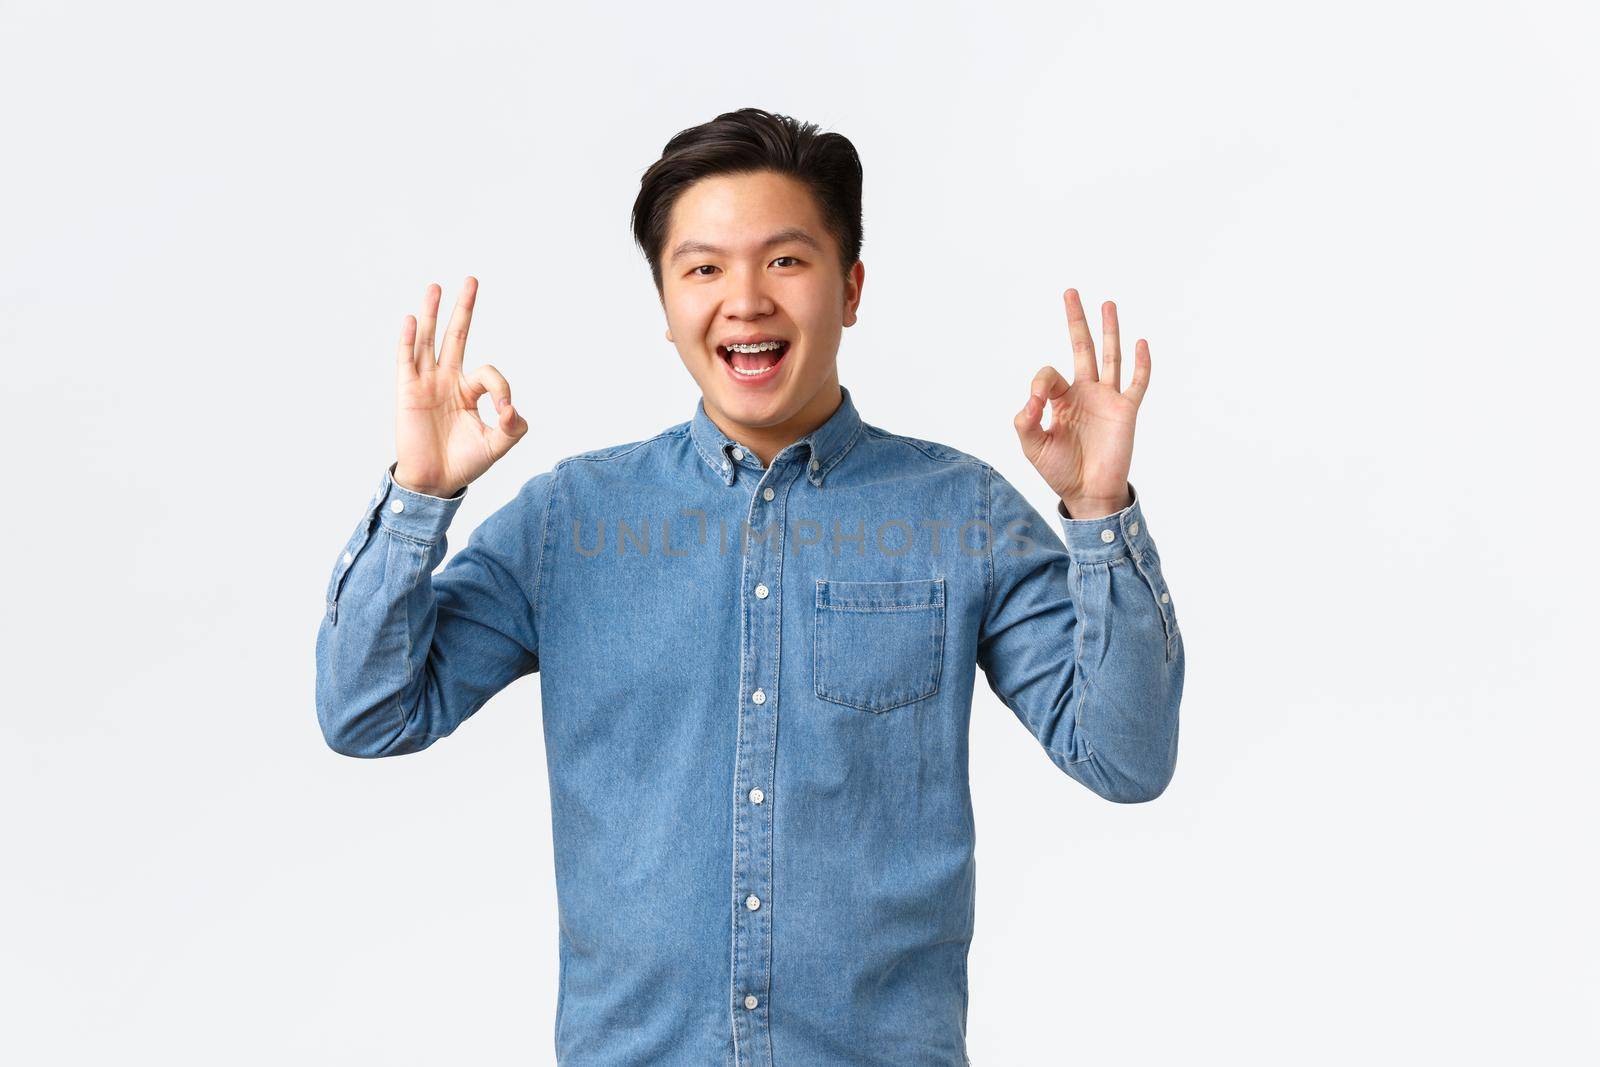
<point>766,407</point>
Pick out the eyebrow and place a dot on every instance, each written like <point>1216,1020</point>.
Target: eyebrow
<point>793,233</point>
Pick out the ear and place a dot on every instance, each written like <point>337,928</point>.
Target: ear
<point>852,291</point>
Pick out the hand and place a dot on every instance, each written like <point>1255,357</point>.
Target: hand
<point>441,443</point>
<point>1086,452</point>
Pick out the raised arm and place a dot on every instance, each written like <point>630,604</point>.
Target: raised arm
<point>1079,636</point>
<point>404,656</point>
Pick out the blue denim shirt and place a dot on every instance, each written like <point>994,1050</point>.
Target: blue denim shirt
<point>756,684</point>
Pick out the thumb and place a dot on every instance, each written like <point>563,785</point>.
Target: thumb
<point>509,427</point>
<point>1027,424</point>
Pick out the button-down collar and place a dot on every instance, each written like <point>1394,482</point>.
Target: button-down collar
<point>821,448</point>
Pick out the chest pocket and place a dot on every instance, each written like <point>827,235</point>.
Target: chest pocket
<point>879,645</point>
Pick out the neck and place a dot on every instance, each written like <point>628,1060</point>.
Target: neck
<point>767,441</point>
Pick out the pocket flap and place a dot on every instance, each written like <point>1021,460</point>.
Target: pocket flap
<point>880,596</point>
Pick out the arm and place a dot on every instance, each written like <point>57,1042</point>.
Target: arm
<point>1079,638</point>
<point>1078,642</point>
<point>404,656</point>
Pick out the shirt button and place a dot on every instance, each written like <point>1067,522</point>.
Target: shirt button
<point>1133,528</point>
<point>752,902</point>
<point>738,453</point>
<point>750,1001</point>
<point>1164,598</point>
<point>759,697</point>
<point>348,557</point>
<point>397,505</point>
<point>814,464</point>
<point>766,494</point>
<point>757,796</point>
<point>761,591</point>
<point>1107,536</point>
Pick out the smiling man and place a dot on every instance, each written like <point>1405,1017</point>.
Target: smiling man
<point>758,633</point>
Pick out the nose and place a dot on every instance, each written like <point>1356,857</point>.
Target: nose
<point>747,296</point>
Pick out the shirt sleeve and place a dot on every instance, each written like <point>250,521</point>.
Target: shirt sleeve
<point>404,656</point>
<point>1080,640</point>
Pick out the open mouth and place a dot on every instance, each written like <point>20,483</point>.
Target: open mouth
<point>755,364</point>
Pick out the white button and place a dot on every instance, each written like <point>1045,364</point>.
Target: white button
<point>759,697</point>
<point>750,1001</point>
<point>761,591</point>
<point>766,494</point>
<point>348,557</point>
<point>738,453</point>
<point>757,796</point>
<point>752,902</point>
<point>814,464</point>
<point>1133,528</point>
<point>1164,598</point>
<point>397,505</point>
<point>1107,536</point>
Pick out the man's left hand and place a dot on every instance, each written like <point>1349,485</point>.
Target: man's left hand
<point>1086,452</point>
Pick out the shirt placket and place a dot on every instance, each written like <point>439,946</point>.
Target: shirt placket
<point>755,761</point>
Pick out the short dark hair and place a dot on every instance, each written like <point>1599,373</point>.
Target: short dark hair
<point>742,142</point>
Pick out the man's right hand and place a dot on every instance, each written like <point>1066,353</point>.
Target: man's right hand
<point>441,442</point>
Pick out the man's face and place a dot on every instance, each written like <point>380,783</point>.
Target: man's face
<point>723,282</point>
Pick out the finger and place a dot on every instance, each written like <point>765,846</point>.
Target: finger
<point>486,379</point>
<point>1050,387</point>
<point>1082,344</point>
<point>408,350</point>
<point>509,426</point>
<point>454,348</point>
<point>425,323</point>
<point>1111,357</point>
<point>1141,372</point>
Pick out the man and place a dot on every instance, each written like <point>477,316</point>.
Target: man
<point>757,634</point>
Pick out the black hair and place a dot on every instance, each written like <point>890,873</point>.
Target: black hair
<point>746,141</point>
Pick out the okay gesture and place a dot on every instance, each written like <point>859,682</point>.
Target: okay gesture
<point>1087,450</point>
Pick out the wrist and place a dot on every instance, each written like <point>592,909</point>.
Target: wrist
<point>405,482</point>
<point>1095,507</point>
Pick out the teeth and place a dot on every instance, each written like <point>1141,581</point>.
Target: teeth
<point>764,346</point>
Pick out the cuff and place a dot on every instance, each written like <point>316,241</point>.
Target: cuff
<point>415,515</point>
<point>1109,537</point>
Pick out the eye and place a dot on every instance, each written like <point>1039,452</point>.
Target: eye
<point>707,266</point>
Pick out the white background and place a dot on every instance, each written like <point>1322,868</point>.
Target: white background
<point>1360,239</point>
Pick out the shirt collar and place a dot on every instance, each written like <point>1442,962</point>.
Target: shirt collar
<point>823,447</point>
